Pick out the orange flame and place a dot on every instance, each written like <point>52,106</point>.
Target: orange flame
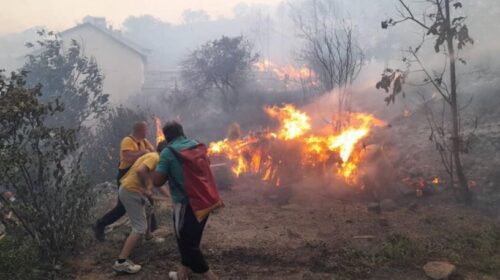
<point>293,122</point>
<point>254,154</point>
<point>287,72</point>
<point>159,132</point>
<point>435,181</point>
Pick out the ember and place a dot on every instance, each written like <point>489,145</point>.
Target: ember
<point>294,147</point>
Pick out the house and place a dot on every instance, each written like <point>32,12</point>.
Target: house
<point>121,61</point>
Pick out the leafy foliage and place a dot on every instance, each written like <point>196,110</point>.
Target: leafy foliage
<point>41,165</point>
<point>394,79</point>
<point>221,65</point>
<point>457,30</point>
<point>67,76</point>
<point>19,259</point>
<point>450,33</point>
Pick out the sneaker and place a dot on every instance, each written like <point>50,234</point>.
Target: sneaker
<point>172,275</point>
<point>127,267</point>
<point>98,232</point>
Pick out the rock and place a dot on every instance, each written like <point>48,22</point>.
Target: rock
<point>383,222</point>
<point>374,207</point>
<point>159,240</point>
<point>439,270</point>
<point>365,245</point>
<point>388,205</point>
<point>294,235</point>
<point>363,237</point>
<point>413,207</point>
<point>406,190</point>
<point>57,267</point>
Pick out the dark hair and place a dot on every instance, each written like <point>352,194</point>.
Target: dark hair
<point>172,130</point>
<point>162,145</point>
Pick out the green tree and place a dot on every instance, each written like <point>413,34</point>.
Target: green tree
<point>41,164</point>
<point>450,33</point>
<point>222,65</point>
<point>68,76</point>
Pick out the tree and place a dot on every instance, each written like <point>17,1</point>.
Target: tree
<point>40,163</point>
<point>67,76</point>
<point>450,33</point>
<point>330,50</point>
<point>220,65</point>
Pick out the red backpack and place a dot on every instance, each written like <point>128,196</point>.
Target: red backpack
<point>199,181</point>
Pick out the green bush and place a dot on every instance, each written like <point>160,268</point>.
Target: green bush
<point>41,164</point>
<point>19,259</point>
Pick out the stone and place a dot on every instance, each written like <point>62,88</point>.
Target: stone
<point>406,190</point>
<point>439,270</point>
<point>413,207</point>
<point>383,222</point>
<point>374,207</point>
<point>388,205</point>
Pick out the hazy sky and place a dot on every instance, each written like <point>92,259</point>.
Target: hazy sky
<point>19,15</point>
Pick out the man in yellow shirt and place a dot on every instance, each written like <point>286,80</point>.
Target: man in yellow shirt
<point>132,147</point>
<point>134,194</point>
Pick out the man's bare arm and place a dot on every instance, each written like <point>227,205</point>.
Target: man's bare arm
<point>159,179</point>
<point>143,175</point>
<point>132,156</point>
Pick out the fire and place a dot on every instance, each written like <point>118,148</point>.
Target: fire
<point>293,123</point>
<point>436,181</point>
<point>159,133</point>
<point>286,72</point>
<point>295,145</point>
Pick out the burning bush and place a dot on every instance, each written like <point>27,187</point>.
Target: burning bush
<point>295,148</point>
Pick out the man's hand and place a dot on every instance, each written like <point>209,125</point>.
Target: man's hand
<point>164,191</point>
<point>148,193</point>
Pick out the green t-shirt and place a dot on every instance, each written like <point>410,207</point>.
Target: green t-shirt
<point>170,166</point>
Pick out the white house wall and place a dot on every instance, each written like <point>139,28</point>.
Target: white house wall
<point>123,69</point>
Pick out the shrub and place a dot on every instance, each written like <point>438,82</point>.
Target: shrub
<point>41,165</point>
<point>19,259</point>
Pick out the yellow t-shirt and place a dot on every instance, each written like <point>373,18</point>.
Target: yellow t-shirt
<point>130,180</point>
<point>130,144</point>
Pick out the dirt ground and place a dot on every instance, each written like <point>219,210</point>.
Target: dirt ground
<point>270,233</point>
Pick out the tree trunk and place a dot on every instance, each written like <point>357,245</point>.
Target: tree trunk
<point>462,180</point>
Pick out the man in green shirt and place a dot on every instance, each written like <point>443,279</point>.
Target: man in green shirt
<point>188,230</point>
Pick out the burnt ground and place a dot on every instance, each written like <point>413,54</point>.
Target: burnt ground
<point>319,229</point>
<point>281,234</point>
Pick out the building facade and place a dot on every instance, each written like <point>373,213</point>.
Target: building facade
<point>122,62</point>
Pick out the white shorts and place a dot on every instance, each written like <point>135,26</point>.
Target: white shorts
<point>135,204</point>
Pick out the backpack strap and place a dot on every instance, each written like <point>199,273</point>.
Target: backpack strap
<point>176,154</point>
